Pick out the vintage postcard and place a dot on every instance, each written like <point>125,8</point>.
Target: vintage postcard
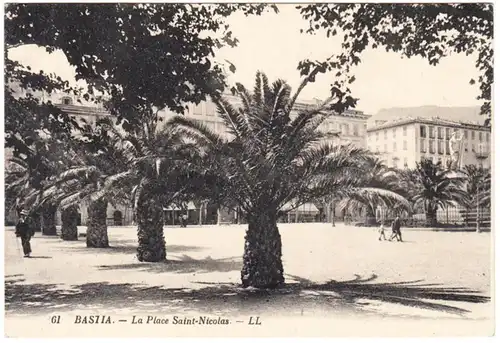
<point>248,170</point>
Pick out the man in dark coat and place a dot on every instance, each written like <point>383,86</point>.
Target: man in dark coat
<point>25,230</point>
<point>396,230</point>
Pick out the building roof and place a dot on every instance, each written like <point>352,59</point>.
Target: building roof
<point>427,121</point>
<point>80,110</point>
<point>460,114</point>
<point>98,111</point>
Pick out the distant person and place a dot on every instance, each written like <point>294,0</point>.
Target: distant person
<point>381,231</point>
<point>25,230</point>
<point>396,230</point>
<point>184,219</point>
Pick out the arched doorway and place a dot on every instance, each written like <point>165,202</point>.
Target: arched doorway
<point>117,218</point>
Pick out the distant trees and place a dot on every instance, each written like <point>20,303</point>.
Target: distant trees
<point>434,187</point>
<point>376,186</point>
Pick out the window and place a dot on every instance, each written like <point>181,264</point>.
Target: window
<point>211,109</point>
<point>395,163</point>
<point>473,147</point>
<point>480,136</point>
<point>376,136</point>
<point>448,133</point>
<point>487,137</point>
<point>432,146</point>
<point>394,146</point>
<point>423,146</point>
<point>432,132</point>
<point>406,162</point>
<point>422,158</point>
<point>67,100</point>
<point>198,109</point>
<point>473,135</point>
<point>394,133</point>
<point>466,134</point>
<point>378,149</point>
<point>440,147</point>
<point>481,148</point>
<point>404,130</point>
<point>405,145</point>
<point>422,131</point>
<point>466,146</point>
<point>440,133</point>
<point>385,134</point>
<point>480,164</point>
<point>447,148</point>
<point>440,160</point>
<point>355,131</point>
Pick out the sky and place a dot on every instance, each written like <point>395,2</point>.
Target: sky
<point>273,44</point>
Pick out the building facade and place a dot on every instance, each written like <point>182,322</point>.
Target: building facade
<point>350,125</point>
<point>403,143</point>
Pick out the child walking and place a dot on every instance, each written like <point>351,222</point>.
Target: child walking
<point>381,231</point>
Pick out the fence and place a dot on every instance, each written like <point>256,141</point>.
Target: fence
<point>448,217</point>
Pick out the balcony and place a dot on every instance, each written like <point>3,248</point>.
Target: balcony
<point>482,151</point>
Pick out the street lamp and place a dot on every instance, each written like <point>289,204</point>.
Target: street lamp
<point>482,154</point>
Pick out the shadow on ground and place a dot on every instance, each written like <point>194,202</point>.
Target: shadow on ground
<point>183,264</point>
<point>355,296</point>
<point>124,247</point>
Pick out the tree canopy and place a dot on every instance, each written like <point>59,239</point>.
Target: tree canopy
<point>143,56</point>
<point>431,31</point>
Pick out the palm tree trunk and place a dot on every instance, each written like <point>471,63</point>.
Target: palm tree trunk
<point>49,220</point>
<point>262,266</point>
<point>431,217</point>
<point>37,221</point>
<point>97,230</point>
<point>69,229</point>
<point>150,230</point>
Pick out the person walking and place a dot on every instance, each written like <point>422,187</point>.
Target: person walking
<point>396,230</point>
<point>381,231</point>
<point>25,230</point>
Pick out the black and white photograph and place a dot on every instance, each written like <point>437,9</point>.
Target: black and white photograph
<point>248,169</point>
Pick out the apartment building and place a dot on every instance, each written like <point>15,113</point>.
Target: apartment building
<point>351,126</point>
<point>404,142</point>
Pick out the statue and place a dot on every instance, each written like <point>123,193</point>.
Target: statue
<point>455,145</point>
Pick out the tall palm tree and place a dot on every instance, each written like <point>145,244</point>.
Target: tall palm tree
<point>164,167</point>
<point>273,157</point>
<point>376,185</point>
<point>435,187</point>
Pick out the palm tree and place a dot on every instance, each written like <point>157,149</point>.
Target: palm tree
<point>376,185</point>
<point>434,187</point>
<point>272,158</point>
<point>26,179</point>
<point>164,169</point>
<point>96,161</point>
<point>478,190</point>
<point>149,168</point>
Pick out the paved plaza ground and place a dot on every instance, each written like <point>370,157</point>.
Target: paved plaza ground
<point>332,273</point>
